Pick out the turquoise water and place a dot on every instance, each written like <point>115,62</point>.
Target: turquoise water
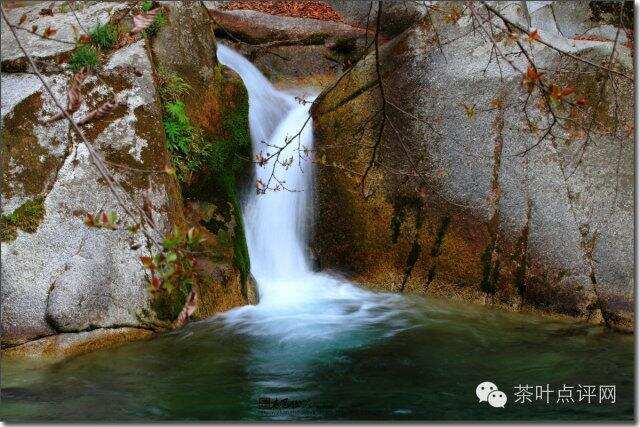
<point>425,370</point>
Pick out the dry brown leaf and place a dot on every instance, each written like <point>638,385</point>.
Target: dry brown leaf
<point>102,111</point>
<point>146,207</point>
<point>188,309</point>
<point>299,9</point>
<point>49,31</point>
<point>74,96</point>
<point>124,40</point>
<point>143,20</point>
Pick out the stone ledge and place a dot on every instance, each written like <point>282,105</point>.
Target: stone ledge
<point>61,346</point>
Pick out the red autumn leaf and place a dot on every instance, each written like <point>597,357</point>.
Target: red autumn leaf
<point>49,31</point>
<point>84,38</point>
<point>559,93</point>
<point>90,220</point>
<point>156,282</point>
<point>582,101</point>
<point>534,36</point>
<point>532,76</point>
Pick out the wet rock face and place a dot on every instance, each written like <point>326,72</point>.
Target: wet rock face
<point>58,275</point>
<point>217,103</point>
<point>290,51</point>
<point>481,220</point>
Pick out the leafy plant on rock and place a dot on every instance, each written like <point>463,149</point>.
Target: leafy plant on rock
<point>171,85</point>
<point>104,36</point>
<point>173,272</point>
<point>84,56</point>
<point>158,22</point>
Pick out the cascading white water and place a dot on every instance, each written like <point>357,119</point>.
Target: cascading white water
<point>295,302</point>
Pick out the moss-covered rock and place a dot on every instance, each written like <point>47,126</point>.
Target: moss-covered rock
<point>217,161</point>
<point>447,207</point>
<point>62,279</point>
<point>26,218</point>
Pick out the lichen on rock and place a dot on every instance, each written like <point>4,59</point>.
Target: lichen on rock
<point>65,281</point>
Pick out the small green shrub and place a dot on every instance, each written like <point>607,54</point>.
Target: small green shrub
<point>84,56</point>
<point>225,158</point>
<point>173,272</point>
<point>172,86</point>
<point>104,36</point>
<point>147,5</point>
<point>158,22</point>
<point>188,148</point>
<point>177,128</point>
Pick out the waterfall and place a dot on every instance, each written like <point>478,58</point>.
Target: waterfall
<point>295,302</point>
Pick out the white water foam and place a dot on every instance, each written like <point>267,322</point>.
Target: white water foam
<point>296,303</point>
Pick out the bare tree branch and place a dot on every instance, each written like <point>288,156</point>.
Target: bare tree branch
<point>551,45</point>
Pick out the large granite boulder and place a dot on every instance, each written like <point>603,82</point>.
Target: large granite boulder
<point>461,201</point>
<point>396,16</point>
<point>65,284</point>
<point>35,18</point>
<point>257,27</point>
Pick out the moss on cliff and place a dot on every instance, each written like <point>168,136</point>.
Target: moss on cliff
<point>28,168</point>
<point>210,148</point>
<point>26,218</point>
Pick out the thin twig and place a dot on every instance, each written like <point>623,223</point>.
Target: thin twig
<point>550,45</point>
<point>93,154</point>
<point>376,146</point>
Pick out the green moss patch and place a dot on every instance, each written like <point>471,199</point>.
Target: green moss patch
<point>172,86</point>
<point>20,146</point>
<point>27,218</point>
<point>84,56</point>
<point>158,22</point>
<point>168,305</point>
